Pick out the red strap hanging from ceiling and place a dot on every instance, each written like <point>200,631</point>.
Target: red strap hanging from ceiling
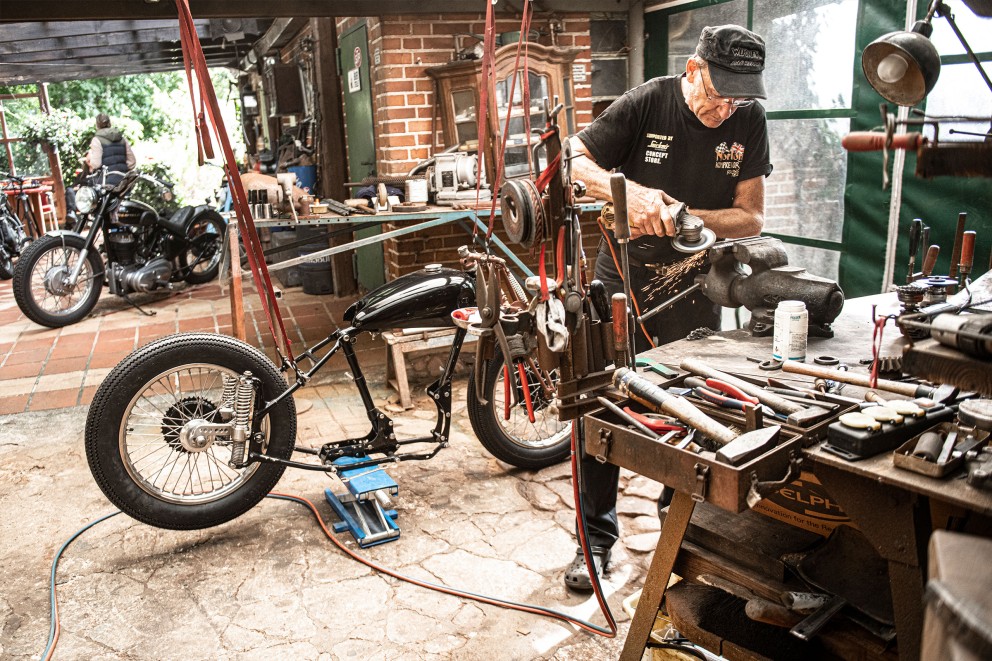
<point>196,67</point>
<point>489,81</point>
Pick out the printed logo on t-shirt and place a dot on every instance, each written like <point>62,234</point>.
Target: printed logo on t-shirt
<point>657,149</point>
<point>729,158</point>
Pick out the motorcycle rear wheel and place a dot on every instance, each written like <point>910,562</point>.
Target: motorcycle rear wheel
<point>133,432</point>
<point>38,287</point>
<point>514,439</point>
<point>206,237</point>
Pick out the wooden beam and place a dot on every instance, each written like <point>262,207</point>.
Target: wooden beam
<point>20,37</point>
<point>47,10</point>
<point>332,156</point>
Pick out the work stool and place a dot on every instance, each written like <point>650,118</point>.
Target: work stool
<point>48,213</point>
<point>413,341</point>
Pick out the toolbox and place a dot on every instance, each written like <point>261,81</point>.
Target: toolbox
<point>701,475</point>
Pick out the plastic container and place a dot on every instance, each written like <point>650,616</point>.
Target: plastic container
<point>287,277</point>
<point>316,275</point>
<point>416,191</point>
<point>791,329</point>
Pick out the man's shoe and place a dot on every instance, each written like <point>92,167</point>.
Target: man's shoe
<point>577,575</point>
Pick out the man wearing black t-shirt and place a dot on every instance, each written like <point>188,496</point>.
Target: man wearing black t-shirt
<point>698,138</point>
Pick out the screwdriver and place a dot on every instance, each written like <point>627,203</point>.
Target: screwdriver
<point>915,234</point>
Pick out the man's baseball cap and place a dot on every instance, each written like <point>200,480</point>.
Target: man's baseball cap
<point>736,58</point>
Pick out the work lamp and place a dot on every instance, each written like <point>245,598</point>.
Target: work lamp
<point>903,66</point>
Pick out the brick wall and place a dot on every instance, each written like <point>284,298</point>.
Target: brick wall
<point>403,107</point>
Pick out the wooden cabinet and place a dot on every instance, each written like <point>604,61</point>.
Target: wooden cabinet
<point>458,86</point>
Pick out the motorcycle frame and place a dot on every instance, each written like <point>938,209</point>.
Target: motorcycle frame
<point>381,438</point>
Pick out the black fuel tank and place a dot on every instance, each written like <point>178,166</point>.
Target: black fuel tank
<point>423,299</point>
<point>133,212</point>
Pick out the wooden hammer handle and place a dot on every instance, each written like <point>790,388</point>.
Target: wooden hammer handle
<point>854,378</point>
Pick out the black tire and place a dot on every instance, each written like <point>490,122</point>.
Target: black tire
<point>517,441</point>
<point>138,406</point>
<point>6,264</point>
<point>206,236</point>
<point>38,291</point>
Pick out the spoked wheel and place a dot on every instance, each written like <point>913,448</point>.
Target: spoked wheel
<point>148,432</point>
<point>205,236</point>
<point>41,280</point>
<point>506,429</point>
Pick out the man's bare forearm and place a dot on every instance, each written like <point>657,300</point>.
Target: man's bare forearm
<point>731,223</point>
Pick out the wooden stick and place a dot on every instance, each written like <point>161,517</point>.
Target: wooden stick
<point>237,299</point>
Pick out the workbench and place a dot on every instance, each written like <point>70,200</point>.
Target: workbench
<point>889,505</point>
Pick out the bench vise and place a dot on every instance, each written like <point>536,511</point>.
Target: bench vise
<point>767,280</point>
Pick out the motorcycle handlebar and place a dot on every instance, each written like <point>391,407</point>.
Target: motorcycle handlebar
<point>873,141</point>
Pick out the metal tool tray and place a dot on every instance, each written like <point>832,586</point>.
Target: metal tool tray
<point>701,475</point>
<point>903,456</point>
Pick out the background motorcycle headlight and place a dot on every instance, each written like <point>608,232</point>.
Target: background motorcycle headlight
<point>86,199</point>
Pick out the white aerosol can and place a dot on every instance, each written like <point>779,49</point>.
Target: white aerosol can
<point>791,328</point>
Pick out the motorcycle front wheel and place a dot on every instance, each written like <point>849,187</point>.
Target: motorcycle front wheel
<point>505,429</point>
<point>205,245</point>
<point>143,416</point>
<point>40,280</point>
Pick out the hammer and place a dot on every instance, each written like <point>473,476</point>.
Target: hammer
<point>736,448</point>
<point>940,394</point>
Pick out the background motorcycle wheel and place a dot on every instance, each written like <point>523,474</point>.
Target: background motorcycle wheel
<point>133,442</point>
<point>205,236</point>
<point>516,440</point>
<point>37,281</point>
<point>6,264</point>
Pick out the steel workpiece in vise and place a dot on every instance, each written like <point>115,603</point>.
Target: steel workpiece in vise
<point>770,281</point>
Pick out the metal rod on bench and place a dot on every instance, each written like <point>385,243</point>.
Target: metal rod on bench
<point>621,230</point>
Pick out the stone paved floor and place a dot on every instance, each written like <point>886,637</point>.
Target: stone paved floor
<point>269,585</point>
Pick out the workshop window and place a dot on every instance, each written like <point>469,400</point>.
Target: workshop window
<point>810,52</point>
<point>609,53</point>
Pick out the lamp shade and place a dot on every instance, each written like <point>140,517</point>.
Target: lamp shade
<point>902,66</point>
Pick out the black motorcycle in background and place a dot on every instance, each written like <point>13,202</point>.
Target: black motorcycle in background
<point>128,246</point>
<point>13,238</point>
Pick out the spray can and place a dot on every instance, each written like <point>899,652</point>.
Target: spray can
<point>791,328</point>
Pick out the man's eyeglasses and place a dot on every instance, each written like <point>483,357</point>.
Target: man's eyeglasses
<point>735,103</point>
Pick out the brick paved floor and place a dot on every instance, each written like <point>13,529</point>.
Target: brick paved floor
<point>43,368</point>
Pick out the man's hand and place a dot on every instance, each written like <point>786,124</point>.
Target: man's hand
<point>647,209</point>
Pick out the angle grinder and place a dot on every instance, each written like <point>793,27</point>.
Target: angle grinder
<point>691,235</point>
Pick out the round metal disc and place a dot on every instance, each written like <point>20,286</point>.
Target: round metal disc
<point>706,239</point>
<point>976,413</point>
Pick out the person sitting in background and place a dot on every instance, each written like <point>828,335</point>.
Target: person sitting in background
<point>109,148</point>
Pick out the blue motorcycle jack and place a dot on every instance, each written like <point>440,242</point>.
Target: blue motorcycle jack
<point>361,507</point>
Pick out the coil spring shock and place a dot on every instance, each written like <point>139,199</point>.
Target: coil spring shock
<point>230,392</point>
<point>243,399</point>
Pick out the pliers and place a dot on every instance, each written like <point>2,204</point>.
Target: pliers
<point>728,396</point>
<point>655,422</point>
